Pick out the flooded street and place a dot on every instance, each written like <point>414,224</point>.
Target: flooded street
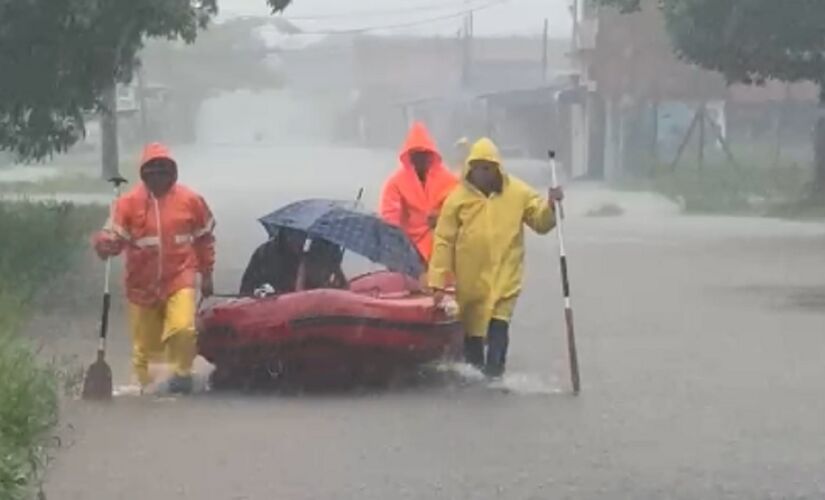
<point>700,343</point>
<point>691,137</point>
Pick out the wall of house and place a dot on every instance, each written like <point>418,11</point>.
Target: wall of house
<point>651,98</point>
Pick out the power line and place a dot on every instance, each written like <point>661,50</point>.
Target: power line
<point>381,12</point>
<point>454,15</point>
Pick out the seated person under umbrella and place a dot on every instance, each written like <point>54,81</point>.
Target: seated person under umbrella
<point>321,267</point>
<point>275,263</point>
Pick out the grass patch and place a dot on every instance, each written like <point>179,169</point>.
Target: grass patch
<point>66,183</point>
<point>28,414</point>
<point>726,189</point>
<point>39,242</point>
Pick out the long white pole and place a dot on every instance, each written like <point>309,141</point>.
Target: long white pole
<point>565,283</point>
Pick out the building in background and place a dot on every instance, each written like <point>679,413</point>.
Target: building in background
<point>651,99</point>
<point>448,83</point>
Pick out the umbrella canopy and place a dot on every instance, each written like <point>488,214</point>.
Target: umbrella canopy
<point>342,223</point>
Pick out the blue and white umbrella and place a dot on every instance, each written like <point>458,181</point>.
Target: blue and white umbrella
<point>342,223</point>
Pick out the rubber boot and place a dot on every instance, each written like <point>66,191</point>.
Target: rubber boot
<point>498,340</point>
<point>474,351</point>
<point>181,349</point>
<point>180,384</point>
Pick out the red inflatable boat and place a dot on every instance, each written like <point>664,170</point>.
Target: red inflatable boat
<point>380,325</point>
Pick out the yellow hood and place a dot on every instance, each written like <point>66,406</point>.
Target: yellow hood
<point>483,149</point>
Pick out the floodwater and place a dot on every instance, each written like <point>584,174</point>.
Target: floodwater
<point>700,342</point>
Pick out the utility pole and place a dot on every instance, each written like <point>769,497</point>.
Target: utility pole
<point>470,43</point>
<point>574,9</point>
<point>544,50</point>
<point>467,52</point>
<point>108,132</point>
<point>141,94</point>
<point>584,24</point>
<point>702,121</point>
<point>464,54</point>
<point>578,111</point>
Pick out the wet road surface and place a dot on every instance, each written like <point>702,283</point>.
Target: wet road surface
<point>701,345</point>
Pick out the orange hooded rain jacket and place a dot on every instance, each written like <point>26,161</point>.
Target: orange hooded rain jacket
<point>409,203</point>
<point>167,240</point>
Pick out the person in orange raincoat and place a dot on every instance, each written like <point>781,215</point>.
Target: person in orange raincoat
<point>166,232</point>
<point>413,195</point>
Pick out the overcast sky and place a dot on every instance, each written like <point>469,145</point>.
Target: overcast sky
<point>517,17</point>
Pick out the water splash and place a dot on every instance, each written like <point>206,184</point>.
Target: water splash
<point>129,390</point>
<point>460,372</point>
<point>517,383</point>
<point>162,373</point>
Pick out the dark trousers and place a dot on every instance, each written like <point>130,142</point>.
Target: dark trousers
<point>498,340</point>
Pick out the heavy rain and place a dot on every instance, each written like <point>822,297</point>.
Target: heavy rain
<point>453,249</point>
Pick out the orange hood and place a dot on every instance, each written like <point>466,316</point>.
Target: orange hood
<point>157,151</point>
<point>419,139</point>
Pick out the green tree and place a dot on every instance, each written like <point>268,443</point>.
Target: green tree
<point>58,57</point>
<point>751,41</point>
<point>226,57</point>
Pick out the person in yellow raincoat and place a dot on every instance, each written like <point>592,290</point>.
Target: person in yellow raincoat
<point>479,239</point>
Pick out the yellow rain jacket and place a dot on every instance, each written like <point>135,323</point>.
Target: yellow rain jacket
<point>481,241</point>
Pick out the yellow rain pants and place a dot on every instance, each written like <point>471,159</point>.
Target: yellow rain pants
<point>168,328</point>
